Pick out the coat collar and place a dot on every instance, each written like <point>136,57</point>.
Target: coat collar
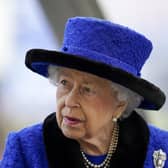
<point>131,150</point>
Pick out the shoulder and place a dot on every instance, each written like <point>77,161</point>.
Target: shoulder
<point>25,136</point>
<point>31,139</point>
<point>158,136</point>
<point>158,140</point>
<point>31,133</point>
<point>24,146</point>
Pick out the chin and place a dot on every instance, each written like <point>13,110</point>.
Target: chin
<point>72,134</point>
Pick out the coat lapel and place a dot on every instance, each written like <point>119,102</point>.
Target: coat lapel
<point>62,152</point>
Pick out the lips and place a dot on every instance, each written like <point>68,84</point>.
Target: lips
<point>71,121</point>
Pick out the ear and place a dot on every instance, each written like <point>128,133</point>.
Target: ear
<point>122,105</point>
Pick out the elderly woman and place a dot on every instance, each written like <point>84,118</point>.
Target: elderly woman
<point>99,86</point>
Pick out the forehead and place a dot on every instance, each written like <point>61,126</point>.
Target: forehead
<point>84,76</point>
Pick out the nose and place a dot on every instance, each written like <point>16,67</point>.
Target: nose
<point>72,99</point>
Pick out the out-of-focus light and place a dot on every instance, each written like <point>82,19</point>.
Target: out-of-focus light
<point>6,35</point>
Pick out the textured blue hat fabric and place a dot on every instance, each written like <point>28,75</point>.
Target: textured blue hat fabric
<point>106,42</point>
<point>103,48</point>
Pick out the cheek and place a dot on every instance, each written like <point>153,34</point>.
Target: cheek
<point>58,118</point>
<point>58,93</point>
<point>60,99</point>
<point>94,111</point>
<point>100,105</point>
<point>102,108</point>
<point>60,103</point>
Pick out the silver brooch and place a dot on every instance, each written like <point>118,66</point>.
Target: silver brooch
<point>159,158</point>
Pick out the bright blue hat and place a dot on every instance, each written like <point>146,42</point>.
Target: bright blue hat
<point>105,49</point>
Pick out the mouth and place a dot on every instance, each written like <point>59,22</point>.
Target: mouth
<point>71,121</point>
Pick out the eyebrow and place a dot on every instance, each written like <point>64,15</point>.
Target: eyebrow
<point>61,72</point>
<point>86,80</point>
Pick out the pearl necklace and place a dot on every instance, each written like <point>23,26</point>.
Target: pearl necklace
<point>111,150</point>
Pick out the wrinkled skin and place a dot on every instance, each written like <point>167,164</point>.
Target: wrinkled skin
<point>86,105</point>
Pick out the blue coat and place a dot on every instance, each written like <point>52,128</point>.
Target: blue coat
<point>26,149</point>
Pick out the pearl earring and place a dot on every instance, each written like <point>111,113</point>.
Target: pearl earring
<point>114,119</point>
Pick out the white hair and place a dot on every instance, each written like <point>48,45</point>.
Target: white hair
<point>132,98</point>
<point>53,74</point>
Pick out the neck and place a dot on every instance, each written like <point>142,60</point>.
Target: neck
<point>97,144</point>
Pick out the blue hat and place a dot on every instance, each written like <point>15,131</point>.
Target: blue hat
<point>105,49</point>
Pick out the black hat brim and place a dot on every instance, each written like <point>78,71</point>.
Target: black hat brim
<point>38,60</point>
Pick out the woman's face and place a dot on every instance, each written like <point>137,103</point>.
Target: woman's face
<point>86,104</point>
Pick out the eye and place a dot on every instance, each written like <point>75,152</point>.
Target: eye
<point>64,85</point>
<point>87,89</point>
<point>63,82</point>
